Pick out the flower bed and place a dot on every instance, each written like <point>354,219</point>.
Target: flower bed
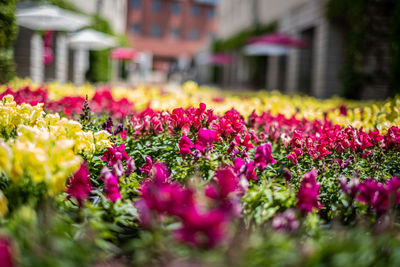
<point>127,176</point>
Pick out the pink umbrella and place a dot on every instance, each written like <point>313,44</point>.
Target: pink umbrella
<point>221,59</point>
<point>277,39</point>
<point>124,53</point>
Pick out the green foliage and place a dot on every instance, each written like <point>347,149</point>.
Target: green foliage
<point>100,60</point>
<point>8,32</point>
<point>371,30</point>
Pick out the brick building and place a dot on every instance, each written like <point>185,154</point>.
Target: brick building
<point>170,30</point>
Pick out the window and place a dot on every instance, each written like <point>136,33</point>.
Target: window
<point>195,11</point>
<point>175,8</point>
<point>155,31</point>
<point>136,28</point>
<point>136,3</point>
<point>157,4</point>
<point>176,33</point>
<point>193,34</point>
<point>211,13</point>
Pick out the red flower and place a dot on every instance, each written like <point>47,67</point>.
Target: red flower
<point>79,186</point>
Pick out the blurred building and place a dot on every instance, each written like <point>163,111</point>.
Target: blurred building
<point>171,31</point>
<point>313,70</point>
<point>112,10</point>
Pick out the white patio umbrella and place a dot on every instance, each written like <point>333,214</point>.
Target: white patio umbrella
<point>82,42</point>
<point>265,49</point>
<point>49,17</point>
<point>91,40</point>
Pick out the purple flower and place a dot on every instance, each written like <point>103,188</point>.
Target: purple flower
<point>286,221</point>
<point>263,156</point>
<point>350,188</point>
<point>79,186</point>
<point>185,146</point>
<point>130,167</point>
<point>287,175</point>
<point>307,197</point>
<point>108,125</point>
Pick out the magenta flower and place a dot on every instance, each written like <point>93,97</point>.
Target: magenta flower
<point>245,169</point>
<point>246,142</point>
<point>204,230</point>
<point>6,254</point>
<point>160,195</point>
<point>185,146</point>
<point>112,188</point>
<point>307,197</point>
<point>130,167</point>
<point>375,194</point>
<point>263,156</point>
<point>292,157</point>
<point>394,188</point>
<point>79,187</point>
<point>113,154</point>
<point>148,165</point>
<point>226,183</point>
<point>205,139</point>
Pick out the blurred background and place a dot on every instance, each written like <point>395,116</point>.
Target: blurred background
<point>320,48</point>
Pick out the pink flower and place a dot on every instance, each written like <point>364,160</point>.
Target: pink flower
<point>79,186</point>
<point>113,154</point>
<point>307,197</point>
<point>205,139</point>
<point>185,146</point>
<point>263,156</point>
<point>146,169</point>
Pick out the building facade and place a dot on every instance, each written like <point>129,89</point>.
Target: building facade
<point>313,70</point>
<point>112,10</point>
<point>172,31</point>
